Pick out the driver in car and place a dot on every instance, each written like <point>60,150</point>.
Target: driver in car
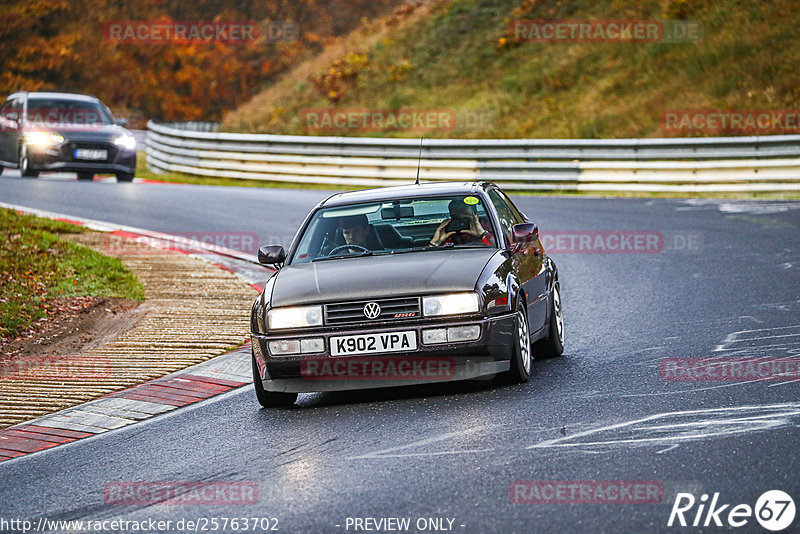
<point>357,231</point>
<point>463,227</point>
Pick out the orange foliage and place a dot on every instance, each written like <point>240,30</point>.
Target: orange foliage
<point>62,45</point>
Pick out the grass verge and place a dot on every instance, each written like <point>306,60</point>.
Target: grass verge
<point>37,267</point>
<point>462,57</point>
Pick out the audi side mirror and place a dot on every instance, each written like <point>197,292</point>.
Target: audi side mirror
<point>121,121</point>
<point>271,254</point>
<point>522,234</point>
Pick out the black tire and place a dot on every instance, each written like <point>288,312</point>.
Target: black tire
<point>520,370</point>
<point>2,169</point>
<point>553,346</point>
<point>25,164</point>
<point>124,176</point>
<point>270,399</point>
<point>86,176</point>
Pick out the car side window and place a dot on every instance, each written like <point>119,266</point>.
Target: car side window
<point>517,214</point>
<point>507,217</point>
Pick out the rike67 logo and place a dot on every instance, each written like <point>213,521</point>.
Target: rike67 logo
<point>774,511</point>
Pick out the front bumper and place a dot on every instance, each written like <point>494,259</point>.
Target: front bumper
<point>60,159</point>
<point>446,362</point>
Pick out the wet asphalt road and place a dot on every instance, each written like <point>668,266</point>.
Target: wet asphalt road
<point>724,284</point>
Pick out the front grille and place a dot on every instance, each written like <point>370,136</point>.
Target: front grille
<point>391,310</point>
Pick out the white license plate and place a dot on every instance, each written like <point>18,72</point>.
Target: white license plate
<point>90,153</point>
<point>373,343</point>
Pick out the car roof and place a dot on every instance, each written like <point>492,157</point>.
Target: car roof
<point>405,191</point>
<point>60,96</point>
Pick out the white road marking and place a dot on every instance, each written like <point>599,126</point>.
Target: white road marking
<point>691,390</point>
<point>783,383</point>
<point>671,447</point>
<point>442,437</point>
<point>753,207</point>
<point>702,424</point>
<point>441,453</point>
<point>735,337</point>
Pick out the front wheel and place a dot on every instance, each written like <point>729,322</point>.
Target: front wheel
<point>554,344</point>
<point>124,176</point>
<point>25,164</point>
<point>270,399</point>
<point>520,370</point>
<point>86,176</point>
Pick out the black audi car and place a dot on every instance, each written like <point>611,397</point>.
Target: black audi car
<point>405,285</point>
<point>64,132</point>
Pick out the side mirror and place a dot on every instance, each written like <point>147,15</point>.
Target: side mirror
<point>271,254</point>
<point>522,234</point>
<point>121,121</point>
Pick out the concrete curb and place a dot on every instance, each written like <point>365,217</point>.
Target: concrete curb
<point>129,406</point>
<point>213,377</point>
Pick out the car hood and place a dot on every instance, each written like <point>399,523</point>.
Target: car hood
<point>371,277</point>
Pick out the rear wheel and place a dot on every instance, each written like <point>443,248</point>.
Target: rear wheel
<point>25,164</point>
<point>85,176</point>
<point>270,399</point>
<point>520,370</point>
<point>554,344</point>
<point>124,176</point>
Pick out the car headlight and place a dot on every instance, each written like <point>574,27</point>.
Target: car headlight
<point>451,304</point>
<point>43,139</point>
<point>299,317</point>
<point>125,141</point>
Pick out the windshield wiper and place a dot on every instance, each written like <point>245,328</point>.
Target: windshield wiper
<point>419,249</point>
<point>446,246</point>
<point>340,256</point>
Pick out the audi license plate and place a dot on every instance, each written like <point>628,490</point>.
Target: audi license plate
<point>373,343</point>
<point>91,154</point>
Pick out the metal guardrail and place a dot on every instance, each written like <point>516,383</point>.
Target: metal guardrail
<point>717,164</point>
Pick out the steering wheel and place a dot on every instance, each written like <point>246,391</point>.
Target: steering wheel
<point>343,247</point>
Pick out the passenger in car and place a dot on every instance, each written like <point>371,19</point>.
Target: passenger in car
<point>475,231</point>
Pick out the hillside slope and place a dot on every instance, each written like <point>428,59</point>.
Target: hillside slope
<point>458,55</point>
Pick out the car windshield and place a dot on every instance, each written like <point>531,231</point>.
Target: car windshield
<point>46,112</point>
<point>395,227</point>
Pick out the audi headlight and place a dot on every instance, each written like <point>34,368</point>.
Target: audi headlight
<point>43,139</point>
<point>279,318</point>
<point>451,304</point>
<point>125,141</point>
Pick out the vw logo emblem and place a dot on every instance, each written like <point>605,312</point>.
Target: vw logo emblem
<point>372,310</point>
